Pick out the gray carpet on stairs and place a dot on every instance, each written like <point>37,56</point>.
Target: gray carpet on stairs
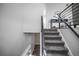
<point>54,46</point>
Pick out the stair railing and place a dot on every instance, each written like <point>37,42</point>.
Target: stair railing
<point>67,13</point>
<point>72,30</point>
<point>42,37</point>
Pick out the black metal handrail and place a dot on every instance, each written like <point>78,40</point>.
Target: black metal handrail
<point>69,22</point>
<point>66,8</point>
<point>72,30</point>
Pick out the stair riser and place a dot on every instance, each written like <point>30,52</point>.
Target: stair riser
<point>54,44</point>
<point>51,33</point>
<point>53,38</point>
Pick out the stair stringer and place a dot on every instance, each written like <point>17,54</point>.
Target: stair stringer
<point>66,45</point>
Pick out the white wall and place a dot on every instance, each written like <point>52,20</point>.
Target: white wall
<point>51,9</point>
<point>14,20</point>
<point>32,21</point>
<point>12,39</point>
<point>37,38</point>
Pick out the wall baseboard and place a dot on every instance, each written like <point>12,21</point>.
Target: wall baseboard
<point>70,53</point>
<point>27,51</point>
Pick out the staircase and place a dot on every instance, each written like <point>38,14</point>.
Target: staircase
<point>54,46</point>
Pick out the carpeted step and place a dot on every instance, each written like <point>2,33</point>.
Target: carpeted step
<point>56,49</point>
<point>36,51</point>
<point>54,42</point>
<point>54,46</point>
<point>52,37</point>
<point>54,29</point>
<point>51,33</point>
<point>55,54</point>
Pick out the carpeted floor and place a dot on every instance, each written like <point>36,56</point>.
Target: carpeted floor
<point>36,51</point>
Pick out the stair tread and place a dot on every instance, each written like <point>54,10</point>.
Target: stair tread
<point>56,54</point>
<point>54,29</point>
<point>52,36</point>
<point>51,32</point>
<point>55,48</point>
<point>53,41</point>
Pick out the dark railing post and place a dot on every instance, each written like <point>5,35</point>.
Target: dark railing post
<point>42,33</point>
<point>51,24</point>
<point>59,23</point>
<point>74,26</point>
<point>72,30</point>
<point>59,19</point>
